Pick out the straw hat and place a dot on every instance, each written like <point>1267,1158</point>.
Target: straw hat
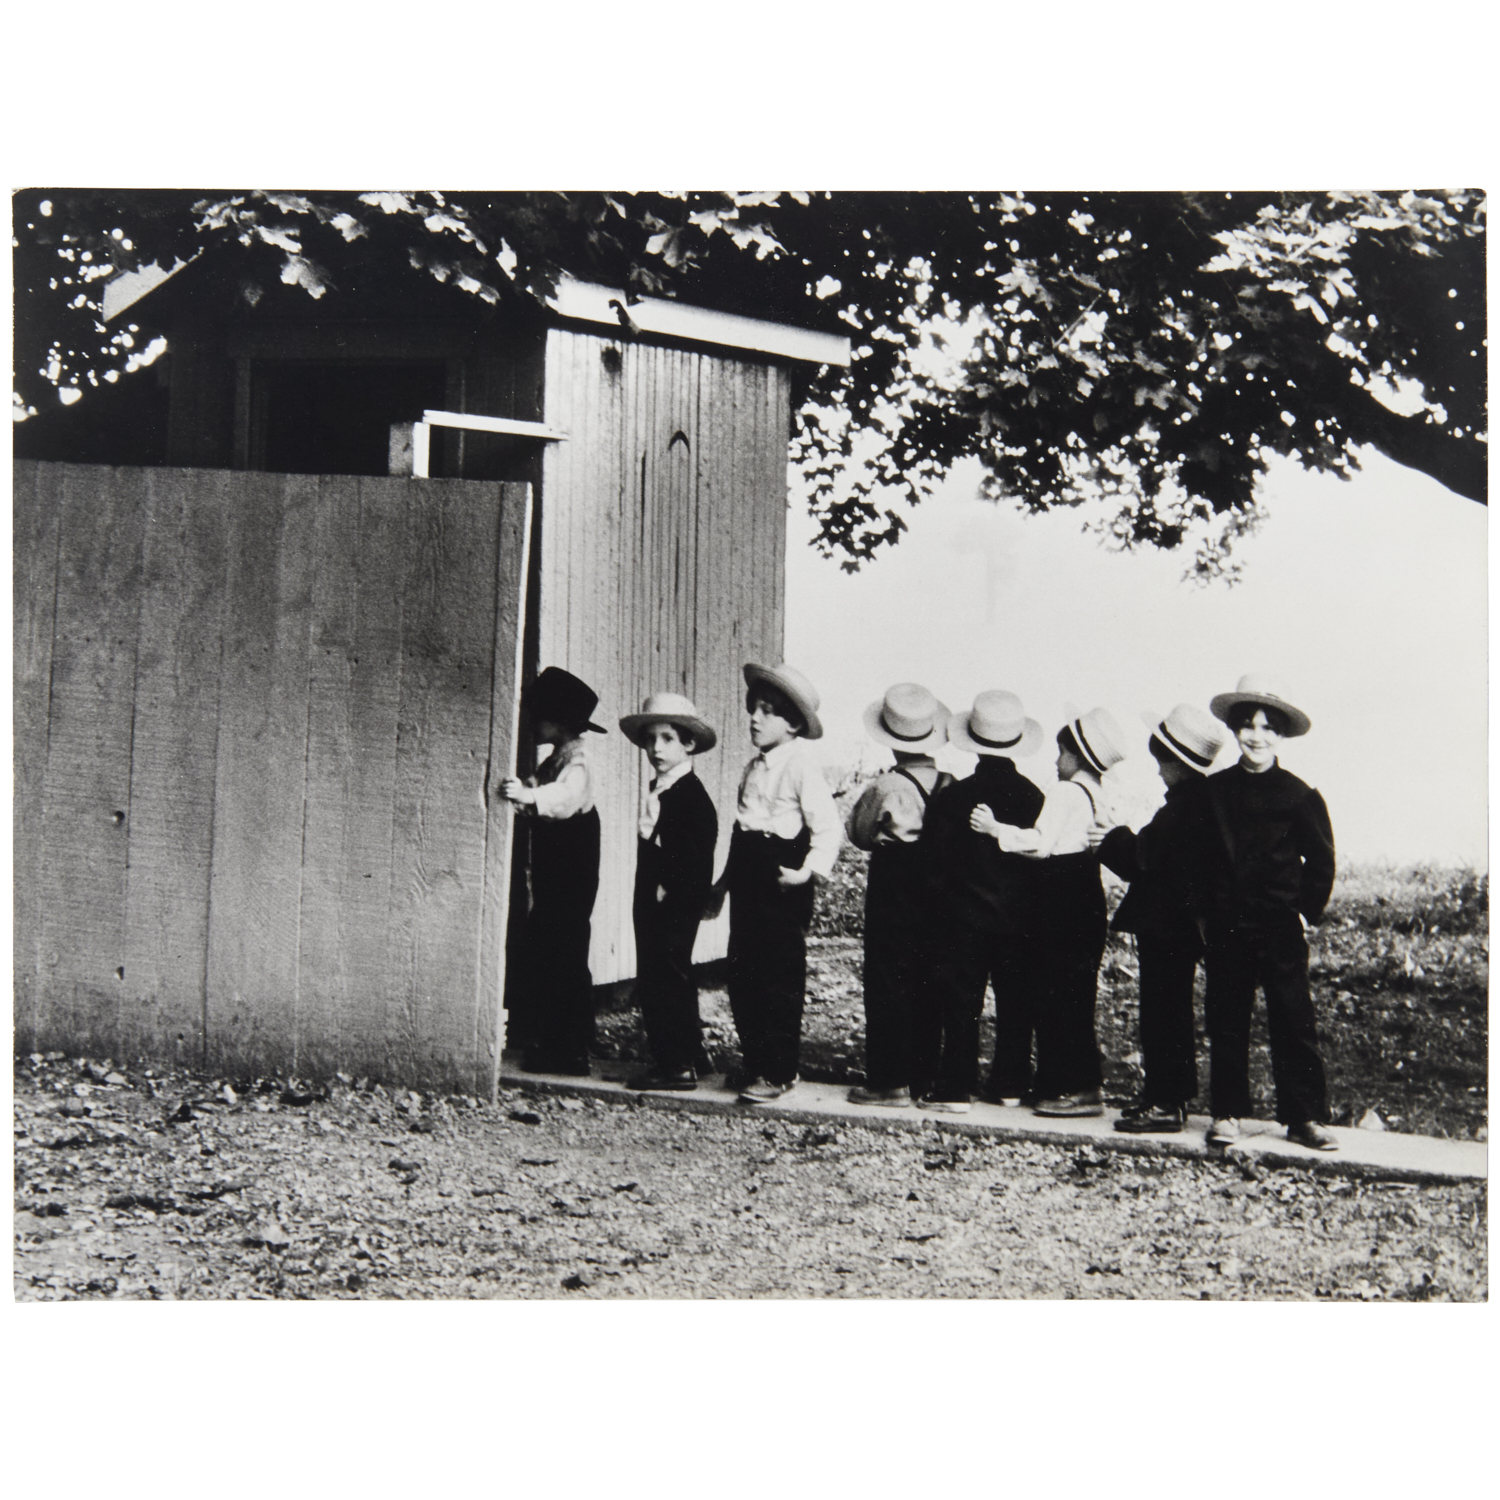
<point>1099,738</point>
<point>996,725</point>
<point>1189,733</point>
<point>562,697</point>
<point>908,718</point>
<point>669,708</point>
<point>801,693</point>
<point>1256,687</point>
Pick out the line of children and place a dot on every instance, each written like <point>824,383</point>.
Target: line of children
<point>975,882</point>
<point>786,837</point>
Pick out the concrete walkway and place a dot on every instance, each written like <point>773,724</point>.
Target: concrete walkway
<point>1373,1154</point>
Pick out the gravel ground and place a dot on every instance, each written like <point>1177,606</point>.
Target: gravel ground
<point>157,1184</point>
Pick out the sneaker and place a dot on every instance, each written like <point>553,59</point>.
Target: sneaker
<point>665,1080</point>
<point>762,1091</point>
<point>1224,1132</point>
<point>899,1098</point>
<point>945,1106</point>
<point>1152,1119</point>
<point>1312,1135</point>
<point>1071,1106</point>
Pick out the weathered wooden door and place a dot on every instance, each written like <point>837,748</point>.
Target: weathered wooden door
<point>257,717</point>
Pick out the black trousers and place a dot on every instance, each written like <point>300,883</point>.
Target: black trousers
<point>964,956</point>
<point>767,952</point>
<point>1273,957</point>
<point>1070,929</point>
<point>553,1000</point>
<point>903,1033</point>
<point>1168,1049</point>
<point>665,988</point>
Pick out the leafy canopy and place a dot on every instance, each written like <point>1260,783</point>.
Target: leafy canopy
<point>1154,349</point>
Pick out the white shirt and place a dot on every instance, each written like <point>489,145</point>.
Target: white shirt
<point>647,824</point>
<point>783,790</point>
<point>1062,826</point>
<point>564,787</point>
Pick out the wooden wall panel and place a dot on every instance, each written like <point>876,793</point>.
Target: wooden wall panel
<point>663,564</point>
<point>512,558</point>
<point>36,501</point>
<point>86,794</point>
<point>173,755</point>
<point>259,786</point>
<point>440,820</point>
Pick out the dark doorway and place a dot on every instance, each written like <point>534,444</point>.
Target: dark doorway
<point>336,419</point>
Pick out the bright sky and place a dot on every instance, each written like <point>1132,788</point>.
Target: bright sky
<point>1367,598</point>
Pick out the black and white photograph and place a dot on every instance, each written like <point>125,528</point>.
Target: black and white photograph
<point>646,761</point>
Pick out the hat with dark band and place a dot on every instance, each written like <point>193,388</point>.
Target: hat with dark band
<point>802,695</point>
<point>996,725</point>
<point>669,708</point>
<point>1099,738</point>
<point>1264,692</point>
<point>1189,733</point>
<point>908,718</point>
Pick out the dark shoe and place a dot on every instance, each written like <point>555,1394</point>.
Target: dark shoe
<point>899,1098</point>
<point>1312,1135</point>
<point>665,1080</point>
<point>1071,1106</point>
<point>945,1106</point>
<point>1152,1119</point>
<point>763,1091</point>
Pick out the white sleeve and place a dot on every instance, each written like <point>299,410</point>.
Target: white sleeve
<point>1062,826</point>
<point>821,815</point>
<point>566,796</point>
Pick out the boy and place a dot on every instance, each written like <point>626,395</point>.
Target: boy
<point>900,1034</point>
<point>1068,914</point>
<point>786,835</point>
<point>1269,868</point>
<point>1159,909</point>
<point>554,989</point>
<point>674,870</point>
<point>981,904</point>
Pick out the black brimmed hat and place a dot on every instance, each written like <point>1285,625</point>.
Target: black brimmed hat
<point>563,698</point>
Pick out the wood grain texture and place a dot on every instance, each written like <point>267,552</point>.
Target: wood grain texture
<point>86,797</point>
<point>259,787</point>
<point>174,751</point>
<point>512,557</point>
<point>439,820</point>
<point>36,495</point>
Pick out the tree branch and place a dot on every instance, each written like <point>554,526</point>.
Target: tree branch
<point>1459,463</point>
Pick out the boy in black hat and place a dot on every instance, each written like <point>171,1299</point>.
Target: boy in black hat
<point>552,992</point>
<point>674,870</point>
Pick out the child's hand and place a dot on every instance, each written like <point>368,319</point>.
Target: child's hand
<point>1097,833</point>
<point>513,789</point>
<point>983,820</point>
<point>786,878</point>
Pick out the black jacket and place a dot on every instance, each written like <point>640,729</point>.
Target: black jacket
<point>679,855</point>
<point>971,880</point>
<point>1267,847</point>
<point>1163,863</point>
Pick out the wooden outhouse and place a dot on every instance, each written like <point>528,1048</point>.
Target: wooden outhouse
<point>264,690</point>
